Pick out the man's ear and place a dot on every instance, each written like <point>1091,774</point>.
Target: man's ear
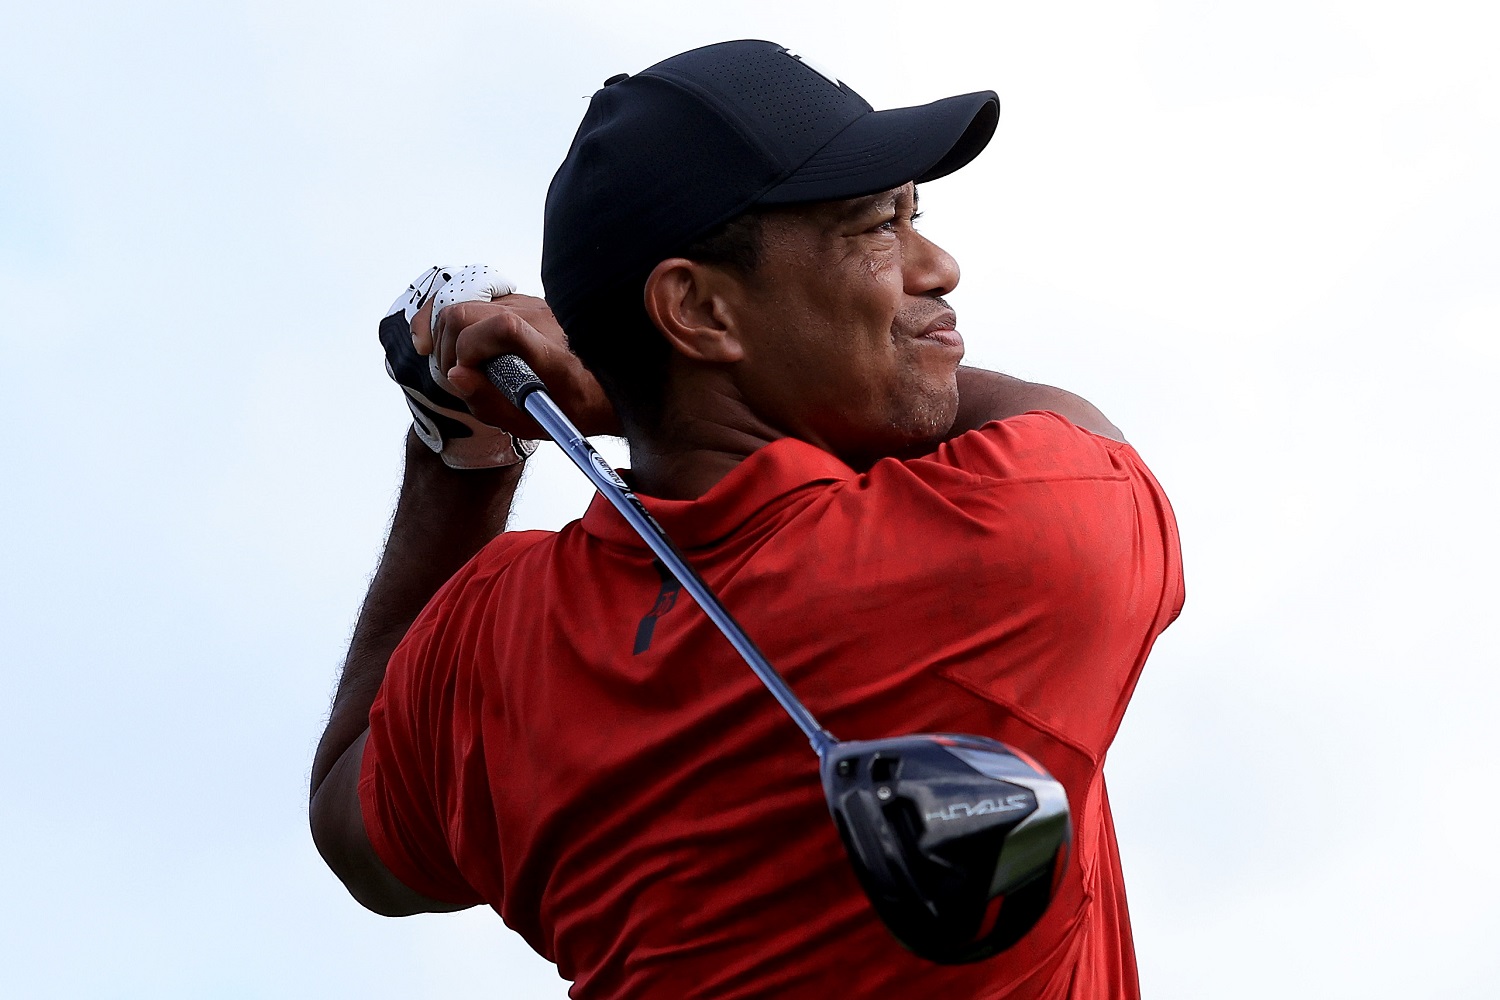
<point>687,302</point>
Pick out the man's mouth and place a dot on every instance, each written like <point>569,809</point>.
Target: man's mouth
<point>944,335</point>
<point>944,330</point>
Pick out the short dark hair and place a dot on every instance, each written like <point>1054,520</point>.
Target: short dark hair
<point>614,337</point>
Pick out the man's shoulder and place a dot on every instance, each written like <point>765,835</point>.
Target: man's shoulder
<point>1040,444</point>
<point>502,553</point>
<point>507,547</point>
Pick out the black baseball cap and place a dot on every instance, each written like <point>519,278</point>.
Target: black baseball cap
<point>664,156</point>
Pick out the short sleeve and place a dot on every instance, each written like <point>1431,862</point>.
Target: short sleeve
<point>1073,569</point>
<point>401,807</point>
<point>1036,445</point>
<point>425,785</point>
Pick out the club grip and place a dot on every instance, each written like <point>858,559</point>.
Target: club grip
<point>513,377</point>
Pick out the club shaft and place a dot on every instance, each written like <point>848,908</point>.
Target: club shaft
<point>534,399</point>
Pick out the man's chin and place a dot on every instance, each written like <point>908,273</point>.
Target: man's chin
<point>935,409</point>
<point>920,429</point>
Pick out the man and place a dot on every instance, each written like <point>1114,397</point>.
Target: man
<point>918,547</point>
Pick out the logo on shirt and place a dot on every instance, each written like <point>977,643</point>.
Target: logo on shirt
<point>984,807</point>
<point>665,598</point>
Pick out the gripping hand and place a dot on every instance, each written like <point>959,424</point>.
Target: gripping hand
<point>440,418</point>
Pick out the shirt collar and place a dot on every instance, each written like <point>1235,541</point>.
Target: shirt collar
<point>774,471</point>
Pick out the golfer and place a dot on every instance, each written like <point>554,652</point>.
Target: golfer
<point>736,282</point>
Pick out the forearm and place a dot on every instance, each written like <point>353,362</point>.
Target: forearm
<point>984,396</point>
<point>443,517</point>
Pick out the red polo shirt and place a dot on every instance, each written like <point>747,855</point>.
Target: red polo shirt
<point>566,737</point>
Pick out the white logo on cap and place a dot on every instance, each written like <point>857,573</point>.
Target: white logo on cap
<point>825,74</point>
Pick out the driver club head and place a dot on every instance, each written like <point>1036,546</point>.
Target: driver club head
<point>958,841</point>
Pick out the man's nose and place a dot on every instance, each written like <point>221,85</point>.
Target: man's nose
<point>929,269</point>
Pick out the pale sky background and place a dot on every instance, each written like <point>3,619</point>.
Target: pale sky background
<point>1263,237</point>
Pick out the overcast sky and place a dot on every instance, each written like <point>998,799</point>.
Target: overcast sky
<point>1261,237</point>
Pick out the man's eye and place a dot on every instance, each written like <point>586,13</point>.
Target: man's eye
<point>893,223</point>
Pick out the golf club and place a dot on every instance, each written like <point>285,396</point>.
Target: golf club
<point>958,841</point>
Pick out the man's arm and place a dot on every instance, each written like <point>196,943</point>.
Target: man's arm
<point>443,517</point>
<point>984,396</point>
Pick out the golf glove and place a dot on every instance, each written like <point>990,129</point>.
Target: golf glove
<point>440,418</point>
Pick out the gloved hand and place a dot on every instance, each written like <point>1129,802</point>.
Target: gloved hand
<point>440,418</point>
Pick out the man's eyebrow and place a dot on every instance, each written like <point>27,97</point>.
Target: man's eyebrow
<point>854,208</point>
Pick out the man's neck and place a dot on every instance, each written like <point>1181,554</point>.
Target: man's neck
<point>706,429</point>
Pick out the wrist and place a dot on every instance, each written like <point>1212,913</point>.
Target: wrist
<point>443,517</point>
<point>427,471</point>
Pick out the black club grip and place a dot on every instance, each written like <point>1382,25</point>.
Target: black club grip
<point>513,377</point>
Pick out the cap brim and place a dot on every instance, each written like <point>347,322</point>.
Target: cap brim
<point>885,149</point>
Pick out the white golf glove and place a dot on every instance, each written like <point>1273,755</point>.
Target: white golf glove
<point>440,418</point>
